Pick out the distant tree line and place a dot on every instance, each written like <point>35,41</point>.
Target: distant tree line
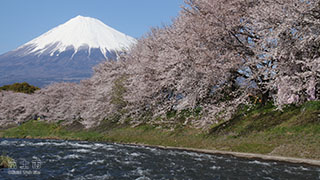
<point>215,56</point>
<point>20,87</point>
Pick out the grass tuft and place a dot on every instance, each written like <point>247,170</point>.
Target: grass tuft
<point>7,162</point>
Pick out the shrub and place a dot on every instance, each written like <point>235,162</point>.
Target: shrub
<point>20,87</point>
<point>7,162</point>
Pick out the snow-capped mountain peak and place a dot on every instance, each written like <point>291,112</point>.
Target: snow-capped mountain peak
<point>79,32</point>
<point>67,52</point>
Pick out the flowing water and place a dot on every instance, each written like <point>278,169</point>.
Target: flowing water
<point>56,159</point>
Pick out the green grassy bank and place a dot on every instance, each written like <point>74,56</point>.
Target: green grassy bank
<point>294,132</point>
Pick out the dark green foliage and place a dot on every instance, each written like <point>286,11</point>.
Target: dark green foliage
<point>171,114</point>
<point>197,111</point>
<point>20,87</point>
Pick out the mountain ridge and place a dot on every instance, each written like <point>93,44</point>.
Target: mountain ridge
<point>65,53</point>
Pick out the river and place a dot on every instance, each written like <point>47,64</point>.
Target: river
<point>57,159</point>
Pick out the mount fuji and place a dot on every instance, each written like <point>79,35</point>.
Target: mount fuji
<point>65,53</point>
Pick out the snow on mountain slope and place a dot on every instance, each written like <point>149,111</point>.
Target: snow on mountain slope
<point>65,53</point>
<point>77,32</point>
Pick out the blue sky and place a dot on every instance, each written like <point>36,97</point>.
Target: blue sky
<point>23,20</point>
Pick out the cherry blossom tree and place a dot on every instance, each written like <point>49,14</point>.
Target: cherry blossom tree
<point>213,56</point>
<point>287,49</point>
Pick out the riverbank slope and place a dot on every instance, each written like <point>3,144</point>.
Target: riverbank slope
<point>293,132</point>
